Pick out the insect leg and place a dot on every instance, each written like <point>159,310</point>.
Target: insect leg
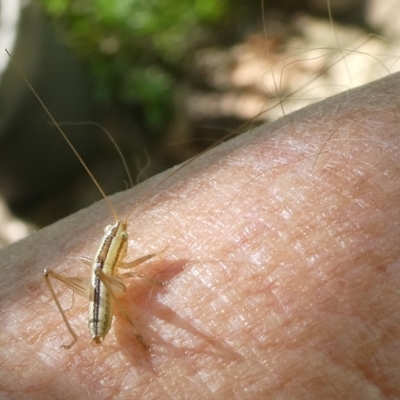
<point>77,285</point>
<point>134,264</point>
<point>138,261</point>
<point>109,282</point>
<point>127,275</point>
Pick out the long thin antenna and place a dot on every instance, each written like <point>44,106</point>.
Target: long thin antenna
<point>112,140</point>
<point>64,135</point>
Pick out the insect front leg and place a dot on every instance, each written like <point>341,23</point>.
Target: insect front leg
<point>127,275</point>
<point>137,262</point>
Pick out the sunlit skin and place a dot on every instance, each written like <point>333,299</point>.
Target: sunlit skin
<point>278,283</point>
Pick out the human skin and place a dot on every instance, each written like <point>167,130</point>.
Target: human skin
<point>278,253</point>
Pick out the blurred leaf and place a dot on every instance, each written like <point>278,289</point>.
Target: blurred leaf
<point>131,46</point>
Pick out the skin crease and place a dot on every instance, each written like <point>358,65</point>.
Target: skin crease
<point>280,281</point>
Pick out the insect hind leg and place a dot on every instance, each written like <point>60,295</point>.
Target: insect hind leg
<point>109,282</point>
<point>70,283</point>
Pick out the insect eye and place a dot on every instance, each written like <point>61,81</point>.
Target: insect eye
<point>107,228</point>
<point>124,235</point>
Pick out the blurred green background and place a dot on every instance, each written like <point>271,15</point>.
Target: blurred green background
<point>136,50</point>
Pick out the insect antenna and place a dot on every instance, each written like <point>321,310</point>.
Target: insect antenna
<point>53,120</point>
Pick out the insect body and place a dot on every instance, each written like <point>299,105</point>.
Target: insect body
<point>103,285</point>
<point>105,282</point>
<point>109,257</point>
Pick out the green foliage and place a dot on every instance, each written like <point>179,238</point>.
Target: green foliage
<point>131,45</point>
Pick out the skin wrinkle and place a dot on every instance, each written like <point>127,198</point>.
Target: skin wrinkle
<point>315,311</point>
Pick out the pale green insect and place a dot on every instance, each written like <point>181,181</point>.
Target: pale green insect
<point>103,285</point>
<point>104,282</point>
